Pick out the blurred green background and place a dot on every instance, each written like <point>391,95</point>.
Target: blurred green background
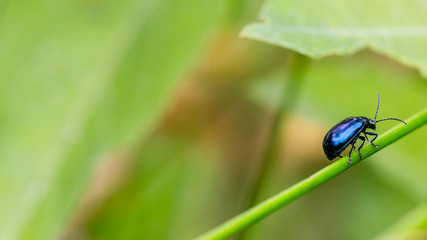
<point>147,120</point>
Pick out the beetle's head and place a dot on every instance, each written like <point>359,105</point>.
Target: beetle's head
<point>371,124</point>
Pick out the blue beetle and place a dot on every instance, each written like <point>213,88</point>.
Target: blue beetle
<point>348,131</point>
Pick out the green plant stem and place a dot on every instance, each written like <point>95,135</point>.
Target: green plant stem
<point>274,203</point>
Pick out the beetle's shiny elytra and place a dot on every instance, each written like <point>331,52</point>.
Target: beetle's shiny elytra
<point>348,131</point>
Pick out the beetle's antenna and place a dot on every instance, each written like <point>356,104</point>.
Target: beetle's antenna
<point>378,106</point>
<point>391,119</point>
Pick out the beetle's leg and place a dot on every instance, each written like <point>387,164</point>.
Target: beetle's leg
<point>339,156</point>
<point>375,137</point>
<point>361,145</point>
<point>351,150</point>
<point>349,155</point>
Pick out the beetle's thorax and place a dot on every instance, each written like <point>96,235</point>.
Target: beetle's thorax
<point>369,123</point>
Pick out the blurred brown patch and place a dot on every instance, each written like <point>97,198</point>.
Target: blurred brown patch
<point>108,175</point>
<point>302,141</point>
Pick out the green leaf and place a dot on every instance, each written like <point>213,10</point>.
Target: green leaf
<point>320,28</point>
<point>79,80</point>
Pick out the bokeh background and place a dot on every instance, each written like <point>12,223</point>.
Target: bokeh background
<point>148,120</point>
